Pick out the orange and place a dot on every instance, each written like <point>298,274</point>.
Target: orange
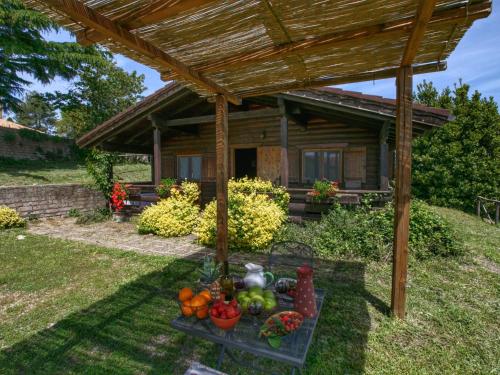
<point>186,308</point>
<point>198,301</point>
<point>202,313</point>
<point>206,294</point>
<point>185,294</point>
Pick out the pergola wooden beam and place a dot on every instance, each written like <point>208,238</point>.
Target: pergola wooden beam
<point>361,77</point>
<point>424,15</point>
<point>402,192</point>
<point>86,15</point>
<point>475,11</point>
<point>155,12</point>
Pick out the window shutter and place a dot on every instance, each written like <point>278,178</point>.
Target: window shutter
<point>208,168</point>
<point>169,166</point>
<point>355,164</point>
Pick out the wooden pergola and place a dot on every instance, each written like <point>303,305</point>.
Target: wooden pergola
<point>228,50</point>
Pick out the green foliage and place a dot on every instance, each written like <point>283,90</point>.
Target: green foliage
<point>163,189</point>
<point>9,137</point>
<point>257,185</point>
<point>74,212</point>
<point>253,221</point>
<point>100,168</point>
<point>174,216</point>
<point>211,270</point>
<point>24,52</point>
<point>368,234</point>
<point>456,163</point>
<point>36,112</point>
<point>9,218</point>
<point>37,136</point>
<point>102,91</point>
<point>94,216</point>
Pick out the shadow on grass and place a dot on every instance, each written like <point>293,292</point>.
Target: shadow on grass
<point>129,332</point>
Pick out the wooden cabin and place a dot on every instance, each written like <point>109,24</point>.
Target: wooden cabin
<point>291,138</point>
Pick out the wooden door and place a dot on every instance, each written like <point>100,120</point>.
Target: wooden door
<point>268,163</point>
<point>354,167</point>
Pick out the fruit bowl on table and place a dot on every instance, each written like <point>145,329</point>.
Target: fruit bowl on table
<point>257,298</point>
<point>194,305</point>
<point>225,315</point>
<point>279,325</point>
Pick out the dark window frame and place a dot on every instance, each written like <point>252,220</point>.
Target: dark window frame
<point>190,166</point>
<point>322,163</point>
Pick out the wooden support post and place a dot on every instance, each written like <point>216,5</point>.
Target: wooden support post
<point>403,190</point>
<point>284,143</point>
<point>221,147</point>
<point>384,157</point>
<point>157,155</point>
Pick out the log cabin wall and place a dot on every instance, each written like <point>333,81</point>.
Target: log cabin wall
<point>264,134</point>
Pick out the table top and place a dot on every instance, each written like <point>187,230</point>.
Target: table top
<point>245,336</point>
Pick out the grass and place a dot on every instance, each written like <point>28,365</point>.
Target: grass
<point>41,172</point>
<point>72,308</point>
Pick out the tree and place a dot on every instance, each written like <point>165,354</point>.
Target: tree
<point>101,91</point>
<point>454,164</point>
<point>24,51</point>
<point>37,113</point>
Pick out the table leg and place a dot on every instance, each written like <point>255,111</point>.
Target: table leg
<point>221,357</point>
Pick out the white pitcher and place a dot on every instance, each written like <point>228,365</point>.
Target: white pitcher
<point>256,276</point>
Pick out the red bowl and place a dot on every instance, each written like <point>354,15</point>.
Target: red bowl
<point>225,323</point>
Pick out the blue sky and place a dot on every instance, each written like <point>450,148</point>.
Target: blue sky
<point>476,60</point>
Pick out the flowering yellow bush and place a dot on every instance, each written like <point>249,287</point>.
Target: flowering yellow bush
<point>257,185</point>
<point>253,221</point>
<point>9,218</point>
<point>174,216</point>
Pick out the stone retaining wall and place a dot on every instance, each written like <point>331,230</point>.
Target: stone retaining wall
<point>50,200</point>
<point>16,146</point>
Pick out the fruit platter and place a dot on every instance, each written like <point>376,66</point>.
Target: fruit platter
<point>280,325</point>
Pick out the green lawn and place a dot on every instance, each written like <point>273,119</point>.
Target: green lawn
<point>71,308</point>
<point>40,172</point>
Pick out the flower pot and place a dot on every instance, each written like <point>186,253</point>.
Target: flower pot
<point>121,216</point>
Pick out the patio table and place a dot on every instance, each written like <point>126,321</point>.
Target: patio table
<point>245,337</point>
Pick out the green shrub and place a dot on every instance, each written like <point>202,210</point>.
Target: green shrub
<point>253,221</point>
<point>9,218</point>
<point>174,216</point>
<point>98,215</point>
<point>245,185</point>
<point>164,187</point>
<point>9,137</point>
<point>369,234</point>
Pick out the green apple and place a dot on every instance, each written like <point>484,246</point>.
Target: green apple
<point>255,291</point>
<point>257,298</point>
<point>269,304</point>
<point>242,295</point>
<point>268,294</point>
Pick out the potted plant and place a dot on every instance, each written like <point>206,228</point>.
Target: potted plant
<point>163,189</point>
<point>118,196</point>
<point>322,196</point>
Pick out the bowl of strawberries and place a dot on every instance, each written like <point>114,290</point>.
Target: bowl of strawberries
<point>225,315</point>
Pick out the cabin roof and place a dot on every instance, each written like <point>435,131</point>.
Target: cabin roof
<point>329,102</point>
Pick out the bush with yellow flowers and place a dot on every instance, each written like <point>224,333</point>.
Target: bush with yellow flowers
<point>174,216</point>
<point>9,218</point>
<point>259,186</point>
<point>253,221</point>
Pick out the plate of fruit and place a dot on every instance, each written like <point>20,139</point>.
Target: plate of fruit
<point>255,300</point>
<point>279,325</point>
<point>225,315</point>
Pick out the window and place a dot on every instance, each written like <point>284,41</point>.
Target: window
<point>321,164</point>
<point>189,167</point>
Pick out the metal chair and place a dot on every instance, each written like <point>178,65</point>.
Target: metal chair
<point>286,256</point>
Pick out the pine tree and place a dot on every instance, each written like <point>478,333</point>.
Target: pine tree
<point>37,113</point>
<point>25,53</point>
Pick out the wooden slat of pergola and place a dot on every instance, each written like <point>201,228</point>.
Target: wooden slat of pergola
<point>118,29</point>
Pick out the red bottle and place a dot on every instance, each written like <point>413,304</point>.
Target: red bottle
<point>305,299</point>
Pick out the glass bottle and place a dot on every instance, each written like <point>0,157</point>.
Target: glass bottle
<point>226,283</point>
